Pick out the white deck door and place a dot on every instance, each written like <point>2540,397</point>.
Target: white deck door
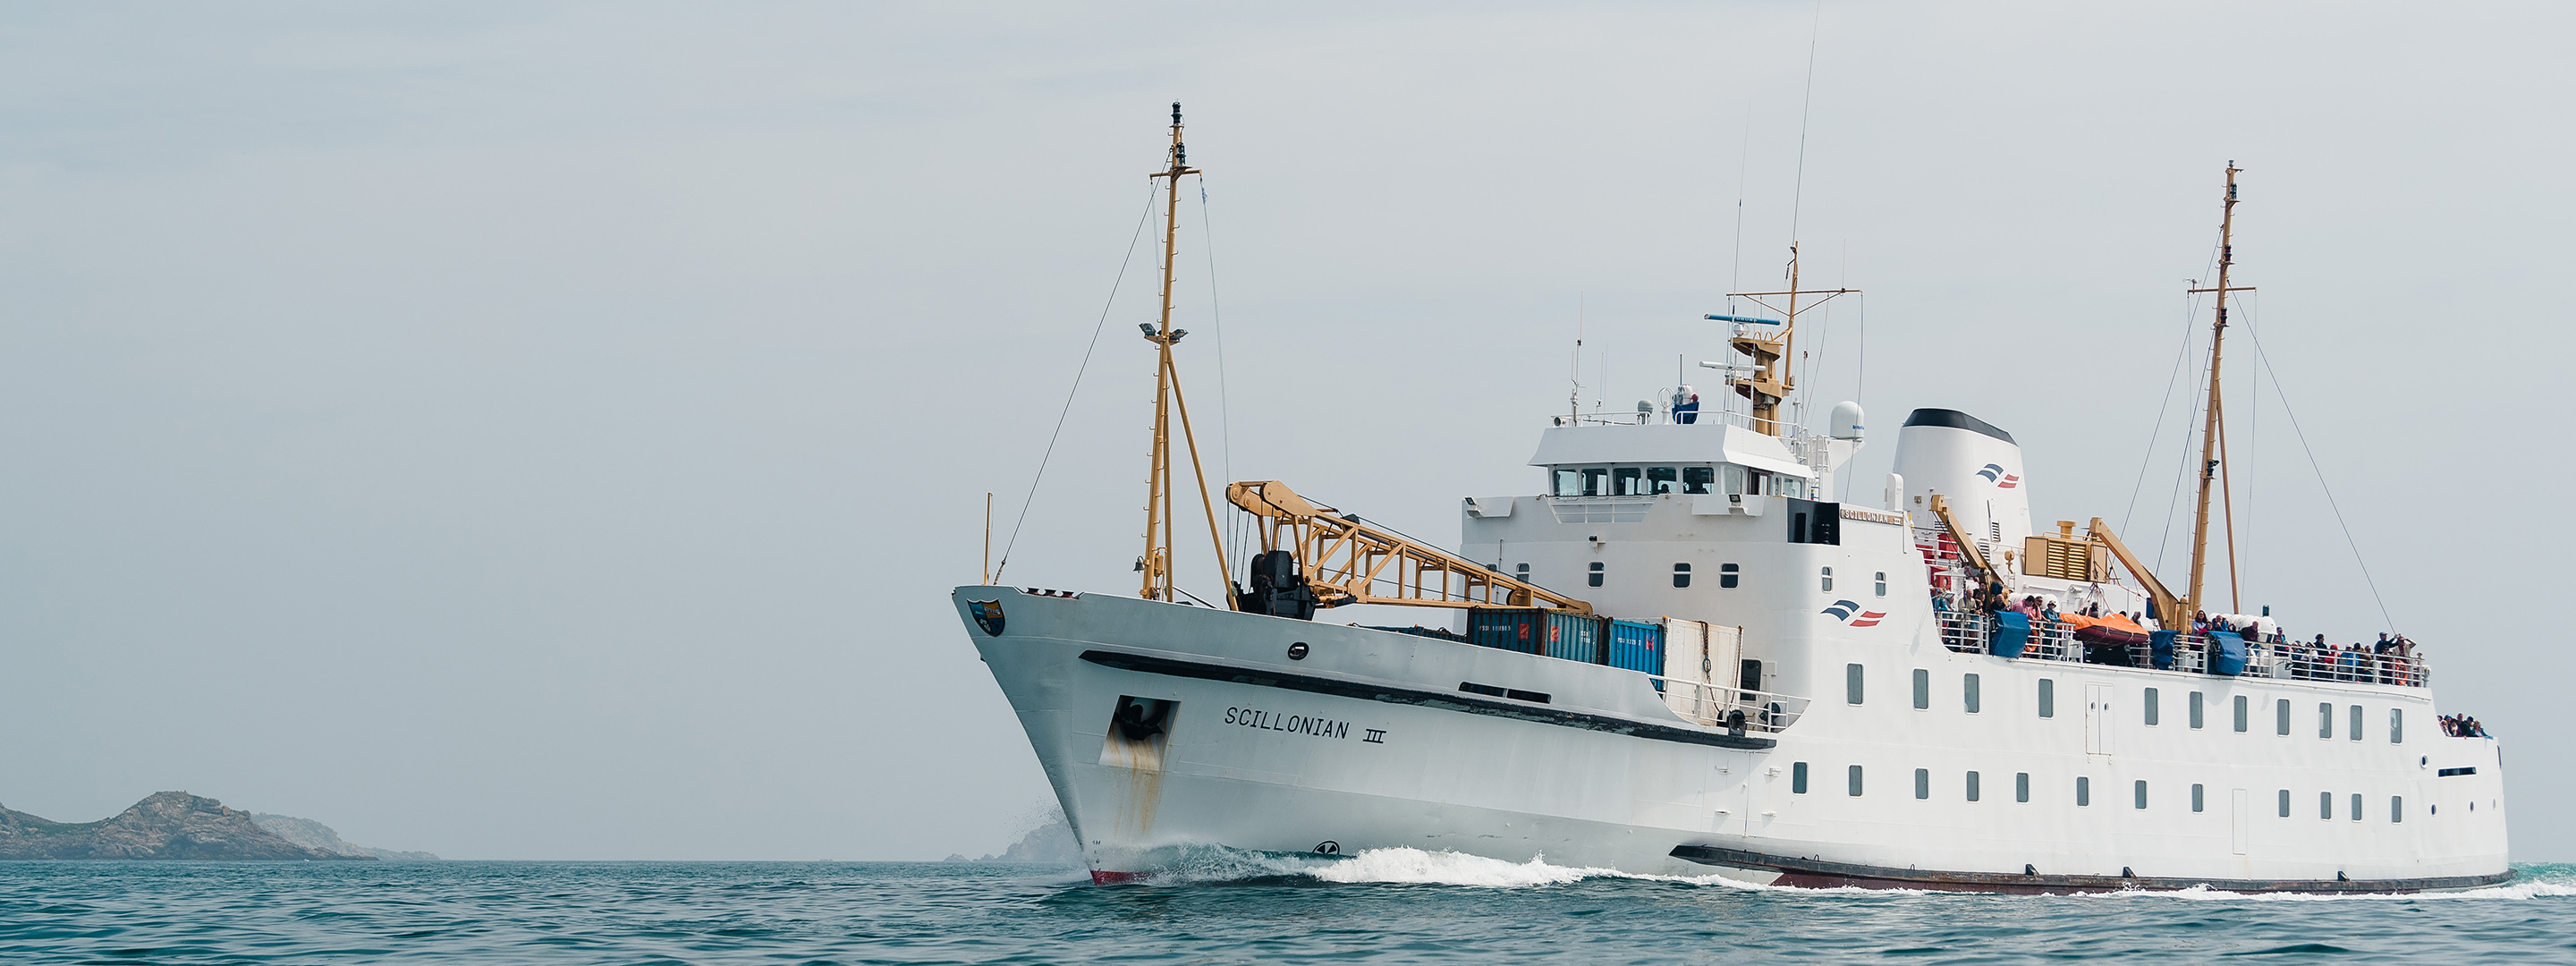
<point>2097,719</point>
<point>2241,803</point>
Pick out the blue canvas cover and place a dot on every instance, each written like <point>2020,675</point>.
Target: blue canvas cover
<point>2228,659</point>
<point>2162,643</point>
<point>2012,633</point>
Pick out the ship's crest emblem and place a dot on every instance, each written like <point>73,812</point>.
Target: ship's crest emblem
<point>1849,612</point>
<point>988,615</point>
<point>1994,473</point>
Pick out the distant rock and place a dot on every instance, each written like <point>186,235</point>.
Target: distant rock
<point>1051,843</point>
<point>167,825</point>
<point>315,835</point>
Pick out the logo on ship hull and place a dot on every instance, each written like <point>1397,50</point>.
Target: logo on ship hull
<point>1994,473</point>
<point>988,615</point>
<point>1850,613</point>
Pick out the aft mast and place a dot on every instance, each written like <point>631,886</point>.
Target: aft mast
<point>1769,384</point>
<point>2213,437</point>
<point>1156,564</point>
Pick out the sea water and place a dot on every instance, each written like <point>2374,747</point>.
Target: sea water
<point>1393,905</point>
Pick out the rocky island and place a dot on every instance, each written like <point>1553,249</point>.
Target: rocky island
<point>178,825</point>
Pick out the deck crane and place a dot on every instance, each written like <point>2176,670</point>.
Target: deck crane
<point>1347,561</point>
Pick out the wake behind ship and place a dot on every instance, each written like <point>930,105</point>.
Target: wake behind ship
<point>1679,656</point>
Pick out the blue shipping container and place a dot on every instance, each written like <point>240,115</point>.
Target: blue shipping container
<point>1637,646</point>
<point>1510,630</point>
<point>1574,637</point>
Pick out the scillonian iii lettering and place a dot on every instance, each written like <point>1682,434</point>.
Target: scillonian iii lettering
<point>1295,724</point>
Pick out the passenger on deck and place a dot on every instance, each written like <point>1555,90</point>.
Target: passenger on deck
<point>1686,412</point>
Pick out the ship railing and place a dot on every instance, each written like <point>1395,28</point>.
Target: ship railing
<point>1970,632</point>
<point>1714,705</point>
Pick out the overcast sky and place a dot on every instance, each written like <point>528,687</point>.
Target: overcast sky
<point>531,431</point>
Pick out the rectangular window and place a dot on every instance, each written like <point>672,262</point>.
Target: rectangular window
<point>1855,781</point>
<point>2021,786</point>
<point>2285,803</point>
<point>2241,708</point>
<point>1882,583</point>
<point>2197,799</point>
<point>2083,792</point>
<point>1726,575</point>
<point>2396,726</point>
<point>1596,481</point>
<point>1923,783</point>
<point>1629,481</point>
<point>1851,683</point>
<point>2325,720</point>
<point>1521,571</point>
<point>1734,481</point>
<point>1827,575</point>
<point>1974,700</point>
<point>2142,793</point>
<point>2047,697</point>
<point>1972,786</point>
<point>1592,574</point>
<point>2281,710</point>
<point>2356,806</point>
<point>2325,805</point>
<point>1798,778</point>
<point>2355,731</point>
<point>1699,479</point>
<point>1922,690</point>
<point>2396,808</point>
<point>2151,706</point>
<point>1681,575</point>
<point>2196,718</point>
<point>1662,479</point>
<point>1569,483</point>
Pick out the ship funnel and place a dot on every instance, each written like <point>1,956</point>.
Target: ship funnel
<point>1976,466</point>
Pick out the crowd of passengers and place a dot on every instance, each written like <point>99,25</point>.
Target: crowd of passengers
<point>2390,661</point>
<point>2462,726</point>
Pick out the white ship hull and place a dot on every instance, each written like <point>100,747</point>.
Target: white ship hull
<point>1367,741</point>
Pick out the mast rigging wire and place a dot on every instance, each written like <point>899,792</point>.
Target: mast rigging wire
<point>2190,318</point>
<point>1077,383</point>
<point>2293,414</point>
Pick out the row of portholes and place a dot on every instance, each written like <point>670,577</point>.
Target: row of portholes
<point>1971,700</point>
<point>2084,792</point>
<point>1728,576</point>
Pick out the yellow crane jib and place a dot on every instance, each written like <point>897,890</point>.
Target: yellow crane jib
<point>1335,559</point>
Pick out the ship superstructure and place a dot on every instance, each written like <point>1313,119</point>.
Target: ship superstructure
<point>1680,655</point>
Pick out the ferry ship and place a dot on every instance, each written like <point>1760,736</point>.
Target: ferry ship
<point>1680,656</point>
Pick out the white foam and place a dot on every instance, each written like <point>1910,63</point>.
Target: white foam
<point>1410,865</point>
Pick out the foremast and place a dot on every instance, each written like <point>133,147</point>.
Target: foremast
<point>2213,437</point>
<point>1155,566</point>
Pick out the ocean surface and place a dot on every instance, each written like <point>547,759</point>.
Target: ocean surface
<point>1395,905</point>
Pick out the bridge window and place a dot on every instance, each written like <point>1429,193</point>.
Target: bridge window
<point>1568,483</point>
<point>2083,792</point>
<point>2396,726</point>
<point>1828,574</point>
<point>2195,711</point>
<point>1592,574</point>
<point>2021,786</point>
<point>1628,481</point>
<point>1851,683</point>
<point>1596,481</point>
<point>1726,576</point>
<point>1855,781</point>
<point>2048,697</point>
<point>1663,479</point>
<point>2355,730</point>
<point>1971,694</point>
<point>1699,479</point>
<point>1798,778</point>
<point>2152,716</point>
<point>1738,482</point>
<point>1922,690</point>
<point>1972,786</point>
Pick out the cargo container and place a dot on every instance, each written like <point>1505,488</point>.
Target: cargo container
<point>1637,646</point>
<point>1574,637</point>
<point>1511,630</point>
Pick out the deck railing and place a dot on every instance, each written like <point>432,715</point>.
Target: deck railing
<point>1970,632</point>
<point>1734,709</point>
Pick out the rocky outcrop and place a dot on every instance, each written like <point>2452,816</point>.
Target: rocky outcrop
<point>315,835</point>
<point>167,825</point>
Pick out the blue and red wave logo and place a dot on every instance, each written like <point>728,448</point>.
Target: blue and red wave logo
<point>1850,613</point>
<point>1994,473</point>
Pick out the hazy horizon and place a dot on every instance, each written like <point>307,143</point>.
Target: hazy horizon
<point>552,431</point>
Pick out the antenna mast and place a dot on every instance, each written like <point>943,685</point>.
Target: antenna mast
<point>1156,564</point>
<point>1771,385</point>
<point>2213,437</point>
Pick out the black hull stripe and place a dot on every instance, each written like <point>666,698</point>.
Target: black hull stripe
<point>1813,873</point>
<point>1429,699</point>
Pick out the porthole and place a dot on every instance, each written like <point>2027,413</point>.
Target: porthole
<point>1972,786</point>
<point>2195,703</point>
<point>1592,574</point>
<point>2047,697</point>
<point>1922,690</point>
<point>1681,575</point>
<point>1726,576</point>
<point>1855,781</point>
<point>1827,573</point>
<point>1923,783</point>
<point>1798,778</point>
<point>2142,794</point>
<point>2356,806</point>
<point>2150,703</point>
<point>2285,803</point>
<point>2083,791</point>
<point>1973,699</point>
<point>1882,583</point>
<point>2021,786</point>
<point>2199,801</point>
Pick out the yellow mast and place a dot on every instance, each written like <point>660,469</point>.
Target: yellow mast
<point>2213,437</point>
<point>1769,388</point>
<point>1156,565</point>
